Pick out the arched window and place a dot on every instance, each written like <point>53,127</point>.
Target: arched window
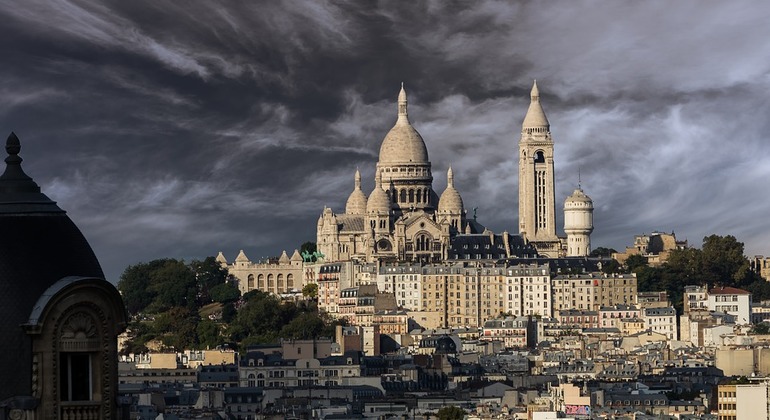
<point>250,282</point>
<point>422,242</point>
<point>289,281</point>
<point>539,157</point>
<point>270,283</point>
<point>402,199</point>
<point>261,282</point>
<point>280,283</point>
<point>419,196</point>
<point>411,196</point>
<point>252,381</point>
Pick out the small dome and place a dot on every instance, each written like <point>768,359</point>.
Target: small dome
<point>579,197</point>
<point>445,345</point>
<point>403,144</point>
<point>378,202</point>
<point>357,201</point>
<point>450,200</point>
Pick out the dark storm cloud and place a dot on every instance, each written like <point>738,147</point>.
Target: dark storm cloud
<point>181,129</point>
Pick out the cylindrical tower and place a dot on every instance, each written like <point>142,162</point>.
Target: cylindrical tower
<point>578,223</point>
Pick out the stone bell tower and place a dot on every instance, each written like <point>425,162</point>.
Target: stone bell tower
<point>537,221</point>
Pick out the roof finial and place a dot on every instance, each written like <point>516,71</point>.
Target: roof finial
<point>358,179</point>
<point>402,115</point>
<point>14,175</point>
<point>450,179</point>
<point>535,94</point>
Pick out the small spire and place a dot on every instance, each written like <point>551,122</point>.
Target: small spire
<point>450,179</point>
<point>358,179</point>
<point>402,114</point>
<point>535,94</point>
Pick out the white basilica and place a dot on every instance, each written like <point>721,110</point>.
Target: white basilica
<point>403,218</point>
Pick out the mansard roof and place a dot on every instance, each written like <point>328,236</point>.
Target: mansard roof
<point>489,247</point>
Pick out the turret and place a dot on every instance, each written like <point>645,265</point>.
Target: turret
<point>578,223</point>
<point>450,204</point>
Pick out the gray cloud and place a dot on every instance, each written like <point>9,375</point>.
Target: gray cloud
<point>169,129</point>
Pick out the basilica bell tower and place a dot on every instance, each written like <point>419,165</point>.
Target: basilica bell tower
<point>537,207</point>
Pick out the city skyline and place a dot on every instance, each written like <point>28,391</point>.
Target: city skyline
<point>170,131</point>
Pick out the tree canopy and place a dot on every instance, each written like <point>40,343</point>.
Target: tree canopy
<point>451,412</point>
<point>719,262</point>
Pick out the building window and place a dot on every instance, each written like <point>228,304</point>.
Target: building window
<point>76,377</point>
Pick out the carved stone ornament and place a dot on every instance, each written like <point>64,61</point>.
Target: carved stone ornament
<point>79,325</point>
<point>17,414</point>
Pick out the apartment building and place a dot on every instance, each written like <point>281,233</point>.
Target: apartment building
<point>592,291</point>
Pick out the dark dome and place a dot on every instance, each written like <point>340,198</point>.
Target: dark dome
<point>446,345</point>
<point>39,245</point>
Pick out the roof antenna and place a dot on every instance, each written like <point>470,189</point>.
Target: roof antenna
<point>579,187</point>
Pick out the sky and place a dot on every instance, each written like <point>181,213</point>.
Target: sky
<point>181,129</point>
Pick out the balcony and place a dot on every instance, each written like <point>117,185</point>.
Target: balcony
<point>81,410</point>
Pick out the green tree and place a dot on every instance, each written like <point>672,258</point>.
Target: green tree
<point>308,247</point>
<point>259,320</point>
<point>228,312</point>
<point>174,285</point>
<point>209,334</point>
<point>635,262</point>
<point>208,274</point>
<point>225,292</point>
<point>178,327</point>
<point>304,326</point>
<point>760,328</point>
<point>310,290</point>
<point>723,261</point>
<point>451,412</point>
<point>134,285</point>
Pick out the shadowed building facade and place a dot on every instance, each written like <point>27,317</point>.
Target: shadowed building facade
<point>59,317</point>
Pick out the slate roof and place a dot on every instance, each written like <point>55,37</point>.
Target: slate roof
<point>350,223</point>
<point>489,247</point>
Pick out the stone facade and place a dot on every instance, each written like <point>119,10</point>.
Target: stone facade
<point>655,248</point>
<point>282,275</point>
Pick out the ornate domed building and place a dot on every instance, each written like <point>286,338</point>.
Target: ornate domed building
<point>59,317</point>
<point>403,218</point>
